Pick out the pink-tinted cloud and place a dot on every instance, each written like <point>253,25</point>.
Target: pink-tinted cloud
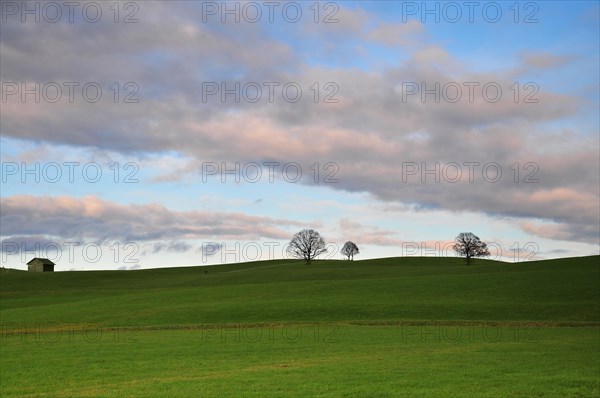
<point>94,218</point>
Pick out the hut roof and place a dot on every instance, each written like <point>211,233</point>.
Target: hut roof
<point>44,261</point>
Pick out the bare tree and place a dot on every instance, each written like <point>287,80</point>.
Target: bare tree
<point>469,245</point>
<point>307,245</point>
<point>349,250</point>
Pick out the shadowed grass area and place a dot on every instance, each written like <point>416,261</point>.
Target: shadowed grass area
<point>380,328</point>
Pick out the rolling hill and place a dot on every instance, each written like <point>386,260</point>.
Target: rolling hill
<point>383,328</point>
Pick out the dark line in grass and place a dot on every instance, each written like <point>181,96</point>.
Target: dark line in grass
<point>465,323</point>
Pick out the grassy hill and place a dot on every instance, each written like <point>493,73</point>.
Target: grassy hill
<point>282,291</point>
<point>382,328</point>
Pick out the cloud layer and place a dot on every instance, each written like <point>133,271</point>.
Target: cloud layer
<point>92,218</point>
<point>387,139</point>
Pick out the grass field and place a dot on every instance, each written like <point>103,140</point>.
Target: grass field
<point>375,328</point>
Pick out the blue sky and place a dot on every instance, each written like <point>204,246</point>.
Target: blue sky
<point>368,136</point>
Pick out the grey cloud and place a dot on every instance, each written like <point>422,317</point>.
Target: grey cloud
<point>174,246</point>
<point>33,243</point>
<point>210,248</point>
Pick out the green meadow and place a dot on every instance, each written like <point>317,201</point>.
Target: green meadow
<point>393,327</point>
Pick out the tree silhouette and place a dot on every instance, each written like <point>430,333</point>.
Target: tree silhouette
<point>307,245</point>
<point>349,250</point>
<point>469,245</point>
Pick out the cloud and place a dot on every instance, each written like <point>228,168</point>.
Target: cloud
<point>25,244</point>
<point>559,251</point>
<point>544,60</point>
<point>364,234</point>
<point>93,218</point>
<point>173,246</point>
<point>127,268</point>
<point>210,249</point>
<point>371,133</point>
<point>562,232</point>
<point>395,34</point>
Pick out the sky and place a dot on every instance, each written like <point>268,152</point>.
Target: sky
<point>173,133</point>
